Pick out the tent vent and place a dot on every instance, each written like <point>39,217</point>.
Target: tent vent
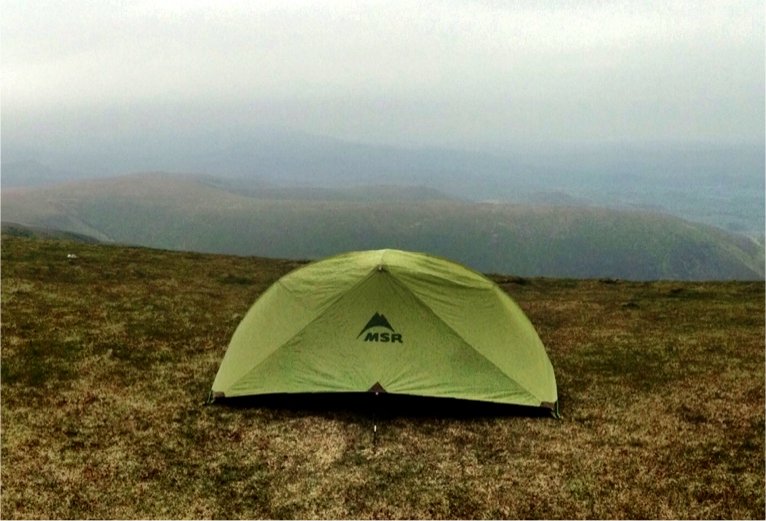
<point>377,388</point>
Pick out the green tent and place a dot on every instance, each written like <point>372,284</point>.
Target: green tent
<point>388,321</point>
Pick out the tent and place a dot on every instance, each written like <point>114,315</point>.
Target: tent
<point>388,321</point>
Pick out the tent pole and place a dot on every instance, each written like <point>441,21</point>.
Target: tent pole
<point>555,411</point>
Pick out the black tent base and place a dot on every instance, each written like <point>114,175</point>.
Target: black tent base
<point>384,405</point>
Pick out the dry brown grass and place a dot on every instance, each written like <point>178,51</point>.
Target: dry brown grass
<point>106,361</point>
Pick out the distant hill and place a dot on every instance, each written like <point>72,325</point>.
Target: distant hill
<point>11,229</point>
<point>717,184</point>
<point>194,213</point>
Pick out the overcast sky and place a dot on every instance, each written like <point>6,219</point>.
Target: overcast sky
<point>455,73</point>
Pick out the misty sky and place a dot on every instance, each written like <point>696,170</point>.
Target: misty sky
<point>447,73</point>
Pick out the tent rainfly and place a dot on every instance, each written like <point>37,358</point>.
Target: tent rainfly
<point>388,321</point>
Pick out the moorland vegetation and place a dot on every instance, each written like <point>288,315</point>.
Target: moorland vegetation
<point>108,353</point>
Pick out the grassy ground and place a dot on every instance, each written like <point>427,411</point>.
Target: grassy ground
<point>107,358</point>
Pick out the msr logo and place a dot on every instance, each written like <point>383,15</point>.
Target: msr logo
<point>379,321</point>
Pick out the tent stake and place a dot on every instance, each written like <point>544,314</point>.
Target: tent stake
<point>375,420</point>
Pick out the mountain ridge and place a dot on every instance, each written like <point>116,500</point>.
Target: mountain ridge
<point>183,212</point>
<point>719,184</point>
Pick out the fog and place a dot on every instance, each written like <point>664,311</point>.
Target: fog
<point>475,75</point>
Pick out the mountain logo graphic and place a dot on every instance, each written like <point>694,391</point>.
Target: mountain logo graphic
<point>379,320</point>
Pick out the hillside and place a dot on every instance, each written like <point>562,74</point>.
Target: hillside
<point>107,358</point>
<point>720,185</point>
<point>12,229</point>
<point>207,215</point>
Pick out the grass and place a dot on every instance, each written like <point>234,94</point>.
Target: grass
<point>107,358</point>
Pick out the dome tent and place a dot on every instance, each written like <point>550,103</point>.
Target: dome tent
<point>388,321</point>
